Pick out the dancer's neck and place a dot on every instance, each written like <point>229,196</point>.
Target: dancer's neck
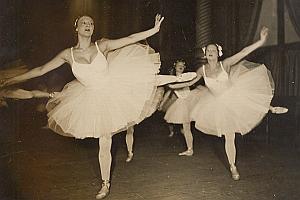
<point>178,73</point>
<point>83,43</point>
<point>213,63</point>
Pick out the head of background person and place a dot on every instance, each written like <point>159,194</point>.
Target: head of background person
<point>178,68</point>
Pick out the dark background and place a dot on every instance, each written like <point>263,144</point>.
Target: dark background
<point>35,31</point>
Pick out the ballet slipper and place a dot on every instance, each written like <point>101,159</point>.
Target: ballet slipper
<point>171,134</point>
<point>279,110</point>
<point>188,152</point>
<point>234,173</point>
<point>104,190</point>
<point>129,157</point>
<point>45,127</point>
<point>181,131</point>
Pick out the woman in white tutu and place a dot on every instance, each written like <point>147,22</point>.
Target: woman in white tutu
<point>169,96</point>
<point>114,81</point>
<point>237,99</point>
<point>179,111</point>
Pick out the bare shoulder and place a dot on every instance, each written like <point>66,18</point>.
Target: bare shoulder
<point>66,55</point>
<point>225,64</point>
<point>102,44</point>
<point>200,70</point>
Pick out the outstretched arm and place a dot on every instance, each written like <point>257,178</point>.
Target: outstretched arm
<point>56,62</point>
<point>109,45</point>
<point>182,85</point>
<point>247,50</point>
<point>189,83</point>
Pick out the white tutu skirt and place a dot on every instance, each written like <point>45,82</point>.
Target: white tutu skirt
<point>179,111</point>
<point>240,107</point>
<point>119,101</point>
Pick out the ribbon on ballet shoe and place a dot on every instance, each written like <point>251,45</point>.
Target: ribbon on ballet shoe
<point>129,157</point>
<point>104,190</point>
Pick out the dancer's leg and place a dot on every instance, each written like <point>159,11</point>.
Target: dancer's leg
<point>188,139</point>
<point>171,130</point>
<point>129,143</point>
<point>231,155</point>
<point>105,165</point>
<point>24,94</point>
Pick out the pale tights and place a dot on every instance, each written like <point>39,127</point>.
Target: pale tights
<point>105,156</point>
<point>129,139</point>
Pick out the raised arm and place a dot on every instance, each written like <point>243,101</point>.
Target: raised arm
<point>56,62</point>
<point>247,50</point>
<point>109,45</point>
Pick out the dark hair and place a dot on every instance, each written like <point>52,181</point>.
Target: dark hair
<point>215,44</point>
<point>172,70</point>
<point>220,53</point>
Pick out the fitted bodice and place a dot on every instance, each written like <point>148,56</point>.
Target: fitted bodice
<point>91,74</point>
<point>218,84</point>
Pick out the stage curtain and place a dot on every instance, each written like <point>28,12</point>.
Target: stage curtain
<point>248,16</point>
<point>293,7</point>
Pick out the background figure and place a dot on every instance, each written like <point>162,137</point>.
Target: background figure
<point>153,104</point>
<point>168,99</point>
<point>179,111</point>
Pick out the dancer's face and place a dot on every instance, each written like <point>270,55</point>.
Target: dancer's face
<point>85,26</point>
<point>211,52</point>
<point>179,67</point>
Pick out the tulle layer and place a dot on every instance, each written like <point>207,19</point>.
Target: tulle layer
<point>241,106</point>
<point>114,103</point>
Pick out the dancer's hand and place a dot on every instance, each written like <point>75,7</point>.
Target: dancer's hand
<point>53,94</point>
<point>264,34</point>
<point>158,21</point>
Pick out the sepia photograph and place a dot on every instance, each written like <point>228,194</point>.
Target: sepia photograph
<point>149,99</point>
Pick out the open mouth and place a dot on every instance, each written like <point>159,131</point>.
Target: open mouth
<point>87,29</point>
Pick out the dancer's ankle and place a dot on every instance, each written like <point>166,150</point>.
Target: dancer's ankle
<point>188,152</point>
<point>234,172</point>
<point>104,191</point>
